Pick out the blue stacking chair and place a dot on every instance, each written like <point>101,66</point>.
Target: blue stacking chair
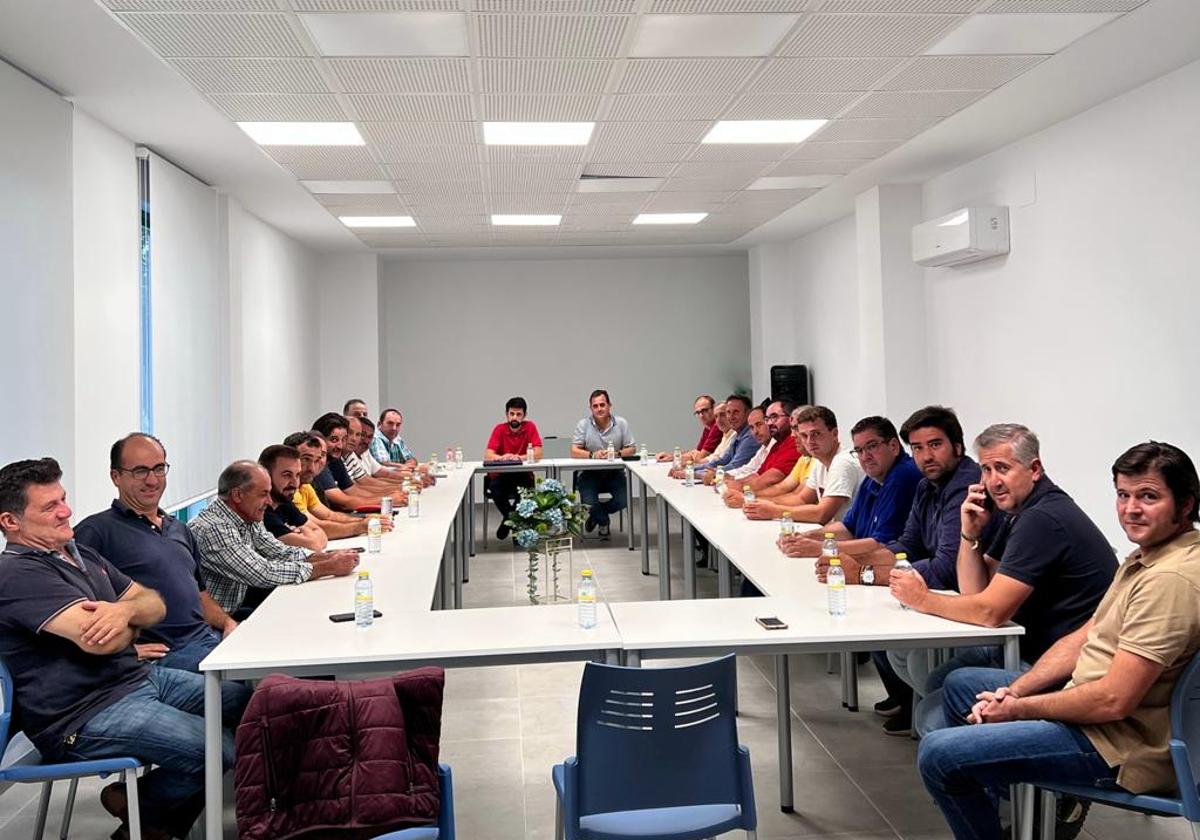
<point>1185,755</point>
<point>27,767</point>
<point>444,830</point>
<point>657,756</point>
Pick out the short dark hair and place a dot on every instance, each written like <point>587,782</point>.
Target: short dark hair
<point>516,402</point>
<point>879,425</point>
<point>600,392</point>
<point>388,411</point>
<point>1172,463</point>
<point>298,439</point>
<point>743,399</point>
<point>271,455</point>
<point>118,448</point>
<point>236,475</point>
<point>350,402</point>
<point>712,403</point>
<point>818,412</point>
<point>327,423</point>
<point>368,423</point>
<point>786,405</point>
<point>15,479</point>
<point>935,417</point>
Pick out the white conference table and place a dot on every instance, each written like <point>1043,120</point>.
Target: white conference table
<point>422,565</point>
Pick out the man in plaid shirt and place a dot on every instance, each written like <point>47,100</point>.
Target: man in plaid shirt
<point>236,550</point>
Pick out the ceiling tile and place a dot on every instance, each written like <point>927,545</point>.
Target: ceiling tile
<point>789,106</point>
<point>898,128</point>
<point>516,107</point>
<point>329,171</point>
<point>376,5</point>
<point>378,107</point>
<point>215,35</point>
<point>822,74</point>
<point>361,205</point>
<point>252,75</point>
<point>550,36</point>
<point>1018,34</point>
<point>402,75</point>
<point>683,202</point>
<point>596,7</point>
<point>650,132</point>
<point>686,75</point>
<point>668,107</point>
<point>732,171</point>
<point>895,103</point>
<point>699,7</point>
<point>629,170</point>
<point>867,35</point>
<point>191,5</point>
<point>935,6</point>
<point>851,150</point>
<point>534,154</point>
<point>1028,6</point>
<point>420,134</point>
<point>388,33</point>
<point>330,155</point>
<point>661,36</point>
<point>397,153</point>
<point>659,153</point>
<point>816,167</point>
<point>279,107</point>
<point>548,75</point>
<point>961,72</point>
<point>764,152</point>
<point>448,171</point>
<point>714,184</point>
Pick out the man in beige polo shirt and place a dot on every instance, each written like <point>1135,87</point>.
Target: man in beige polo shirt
<point>1095,708</point>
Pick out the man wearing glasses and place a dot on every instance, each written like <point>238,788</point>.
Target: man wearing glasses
<point>704,410</point>
<point>159,552</point>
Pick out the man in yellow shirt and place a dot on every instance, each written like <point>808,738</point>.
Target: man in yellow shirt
<point>335,524</point>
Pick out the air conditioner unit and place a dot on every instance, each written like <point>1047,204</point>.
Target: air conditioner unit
<point>967,235</point>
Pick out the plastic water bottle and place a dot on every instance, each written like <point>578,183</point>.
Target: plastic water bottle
<point>449,455</point>
<point>829,548</point>
<point>385,506</point>
<point>902,565</point>
<point>835,587</point>
<point>364,600</point>
<point>529,453</point>
<point>612,452</point>
<point>747,493</point>
<point>586,598</point>
<point>433,462</point>
<point>786,526</point>
<point>374,535</point>
<point>414,501</point>
<point>458,458</point>
<point>643,455</point>
<point>677,459</point>
<point>689,474</point>
<point>719,480</point>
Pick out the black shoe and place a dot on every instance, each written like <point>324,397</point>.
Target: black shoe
<point>590,525</point>
<point>1068,821</point>
<point>503,531</point>
<point>887,707</point>
<point>604,532</point>
<point>898,725</point>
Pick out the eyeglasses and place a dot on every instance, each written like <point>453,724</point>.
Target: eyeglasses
<point>774,416</point>
<point>141,473</point>
<point>700,411</point>
<point>869,449</point>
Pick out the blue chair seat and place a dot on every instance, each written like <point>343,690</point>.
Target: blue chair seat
<point>682,822</point>
<point>422,833</point>
<point>1159,805</point>
<point>444,830</point>
<point>54,772</point>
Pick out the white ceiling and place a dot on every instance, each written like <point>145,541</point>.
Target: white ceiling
<point>859,63</point>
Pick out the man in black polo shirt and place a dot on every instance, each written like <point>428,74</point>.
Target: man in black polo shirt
<point>158,551</point>
<point>68,618</point>
<point>334,484</point>
<point>286,522</point>
<point>1046,565</point>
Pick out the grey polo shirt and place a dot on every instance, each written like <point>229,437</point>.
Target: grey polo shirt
<point>588,434</point>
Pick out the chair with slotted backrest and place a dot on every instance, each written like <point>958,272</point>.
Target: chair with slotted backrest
<point>444,830</point>
<point>1185,756</point>
<point>657,756</point>
<point>25,766</point>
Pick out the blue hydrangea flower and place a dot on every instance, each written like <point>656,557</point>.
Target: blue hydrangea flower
<point>527,538</point>
<point>551,485</point>
<point>554,517</point>
<point>526,508</point>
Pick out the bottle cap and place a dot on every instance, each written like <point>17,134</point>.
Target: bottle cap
<point>835,561</point>
<point>586,573</point>
<point>362,575</point>
<point>829,535</point>
<point>900,555</point>
<point>745,488</point>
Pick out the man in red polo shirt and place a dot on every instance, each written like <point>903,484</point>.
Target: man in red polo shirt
<point>704,410</point>
<point>783,455</point>
<point>510,441</point>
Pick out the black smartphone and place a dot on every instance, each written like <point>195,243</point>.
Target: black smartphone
<point>771,623</point>
<point>340,617</point>
<point>358,549</point>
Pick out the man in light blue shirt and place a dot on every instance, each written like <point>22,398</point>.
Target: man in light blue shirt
<point>593,435</point>
<point>387,446</point>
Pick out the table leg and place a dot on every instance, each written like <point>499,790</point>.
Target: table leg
<point>633,658</point>
<point>470,519</point>
<point>214,809</point>
<point>612,657</point>
<point>463,555</point>
<point>1012,653</point>
<point>664,551</point>
<point>850,677</point>
<point>629,502</point>
<point>645,528</point>
<point>724,577</point>
<point>689,564</point>
<point>783,726</point>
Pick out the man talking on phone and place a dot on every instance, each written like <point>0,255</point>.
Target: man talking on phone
<point>1046,565</point>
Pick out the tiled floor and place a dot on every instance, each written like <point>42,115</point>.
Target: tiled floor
<point>504,727</point>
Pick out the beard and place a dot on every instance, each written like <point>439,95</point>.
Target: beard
<point>515,424</point>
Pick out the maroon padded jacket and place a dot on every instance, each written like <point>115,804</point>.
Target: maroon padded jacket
<point>327,759</point>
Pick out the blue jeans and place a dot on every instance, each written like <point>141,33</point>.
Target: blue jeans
<point>591,483</point>
<point>928,714</point>
<point>188,656</point>
<point>161,722</point>
<point>965,767</point>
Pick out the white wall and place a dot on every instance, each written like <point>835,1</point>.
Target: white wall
<point>1087,331</point>
<point>106,303</point>
<point>350,315</point>
<point>461,337</point>
<point>36,272</point>
<point>275,319</point>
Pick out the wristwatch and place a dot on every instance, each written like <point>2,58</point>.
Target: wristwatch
<point>866,574</point>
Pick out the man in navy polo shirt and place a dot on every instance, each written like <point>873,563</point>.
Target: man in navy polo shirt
<point>68,619</point>
<point>334,484</point>
<point>159,552</point>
